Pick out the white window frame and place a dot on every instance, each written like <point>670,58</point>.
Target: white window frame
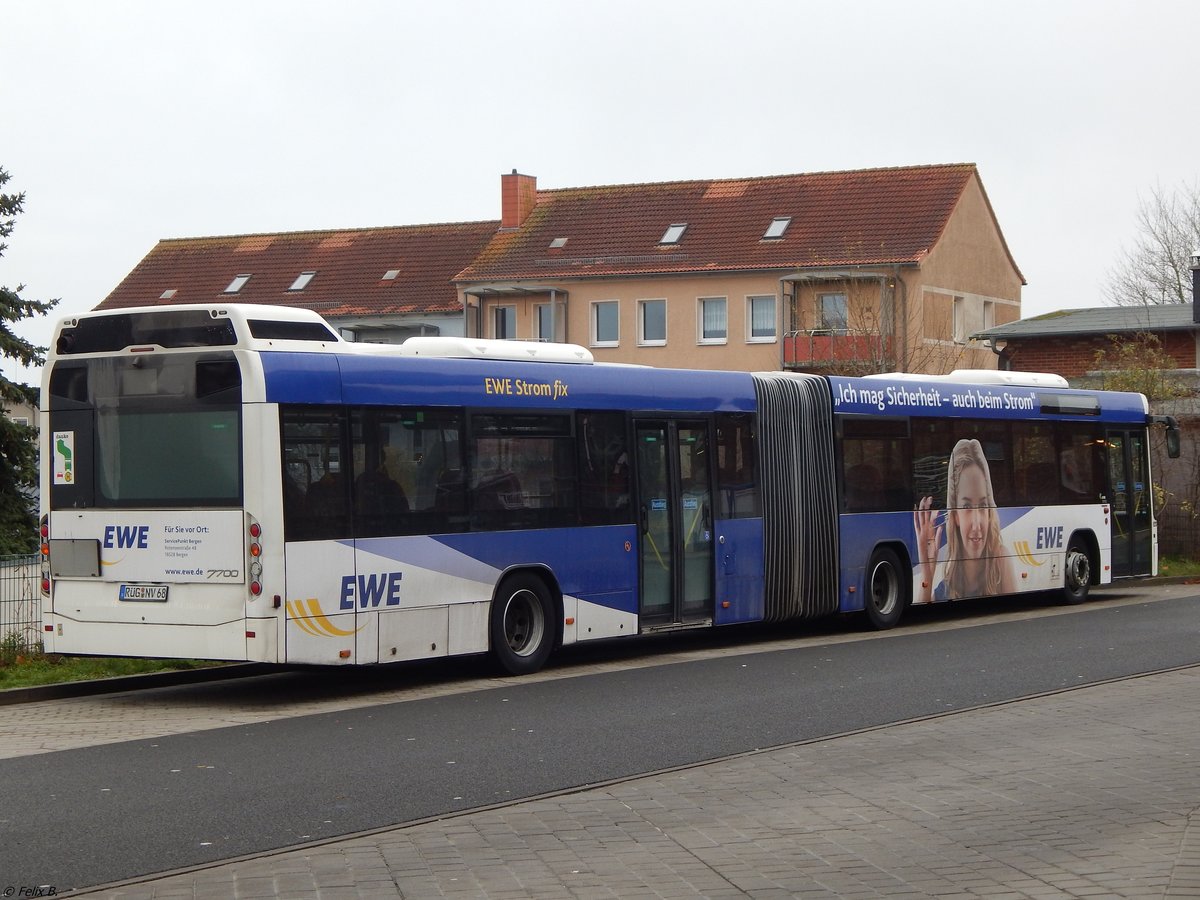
<point>751,338</point>
<point>641,323</point>
<point>701,305</point>
<point>595,322</point>
<point>958,321</point>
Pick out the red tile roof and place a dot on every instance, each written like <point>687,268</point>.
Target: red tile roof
<point>864,217</point>
<point>349,266</point>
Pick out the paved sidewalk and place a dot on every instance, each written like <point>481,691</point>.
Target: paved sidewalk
<point>1092,792</point>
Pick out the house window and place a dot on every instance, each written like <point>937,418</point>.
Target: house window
<point>989,315</point>
<point>674,233</point>
<point>835,314</point>
<point>605,323</point>
<point>777,228</point>
<point>504,322</point>
<point>714,320</point>
<point>302,281</point>
<point>652,323</point>
<point>237,284</point>
<point>960,320</point>
<point>549,322</point>
<point>760,318</point>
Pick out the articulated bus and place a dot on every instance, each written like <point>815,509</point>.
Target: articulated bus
<point>239,483</point>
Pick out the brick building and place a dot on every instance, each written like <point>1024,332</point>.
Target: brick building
<point>1066,342</point>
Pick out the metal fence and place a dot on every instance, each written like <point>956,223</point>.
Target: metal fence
<point>1179,533</point>
<point>20,603</point>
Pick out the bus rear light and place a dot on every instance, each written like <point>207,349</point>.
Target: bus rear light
<point>45,585</point>
<point>46,550</point>
<point>49,628</point>
<point>249,634</point>
<point>255,530</point>
<point>44,530</point>
<point>255,588</point>
<point>255,550</point>
<point>343,654</point>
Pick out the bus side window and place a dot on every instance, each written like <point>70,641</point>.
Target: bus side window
<point>876,453</point>
<point>603,468</point>
<point>315,490</point>
<point>408,471</point>
<point>737,467</point>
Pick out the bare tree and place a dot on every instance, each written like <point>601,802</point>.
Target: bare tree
<point>1157,268</point>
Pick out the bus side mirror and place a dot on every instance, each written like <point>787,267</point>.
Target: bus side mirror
<point>1173,442</point>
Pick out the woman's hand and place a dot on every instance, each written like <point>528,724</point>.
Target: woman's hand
<point>929,535</point>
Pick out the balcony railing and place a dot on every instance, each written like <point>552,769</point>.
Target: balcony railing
<point>826,348</point>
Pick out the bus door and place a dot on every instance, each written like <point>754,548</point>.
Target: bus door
<point>676,521</point>
<point>1129,493</point>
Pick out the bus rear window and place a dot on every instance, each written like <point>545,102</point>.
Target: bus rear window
<point>168,458</point>
<point>164,328</point>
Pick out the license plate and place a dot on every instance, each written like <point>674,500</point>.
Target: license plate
<point>156,593</point>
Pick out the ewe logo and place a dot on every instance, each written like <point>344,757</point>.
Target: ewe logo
<point>358,592</point>
<point>125,537</point>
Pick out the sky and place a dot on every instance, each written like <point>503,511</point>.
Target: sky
<point>125,122</point>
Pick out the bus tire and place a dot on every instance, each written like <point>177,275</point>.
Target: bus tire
<point>887,590</point>
<point>1077,574</point>
<point>521,624</point>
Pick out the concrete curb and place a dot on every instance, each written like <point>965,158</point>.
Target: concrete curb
<point>68,689</point>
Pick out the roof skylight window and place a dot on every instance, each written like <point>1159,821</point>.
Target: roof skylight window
<point>558,243</point>
<point>237,284</point>
<point>302,281</point>
<point>777,227</point>
<point>674,233</point>
<point>391,275</point>
<point>168,294</point>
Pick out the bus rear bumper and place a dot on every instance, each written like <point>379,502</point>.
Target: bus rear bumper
<point>229,641</point>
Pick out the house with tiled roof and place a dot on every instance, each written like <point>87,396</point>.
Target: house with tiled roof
<point>374,284</point>
<point>1066,342</point>
<point>869,270</point>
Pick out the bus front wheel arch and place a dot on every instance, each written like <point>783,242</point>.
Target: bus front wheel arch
<point>522,625</point>
<point>886,586</point>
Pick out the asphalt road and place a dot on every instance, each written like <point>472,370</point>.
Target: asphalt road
<point>101,814</point>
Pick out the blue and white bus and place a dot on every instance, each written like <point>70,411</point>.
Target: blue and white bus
<point>239,483</point>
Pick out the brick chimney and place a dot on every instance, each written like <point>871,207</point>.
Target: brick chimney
<point>518,197</point>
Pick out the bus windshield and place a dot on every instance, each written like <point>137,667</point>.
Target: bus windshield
<point>132,425</point>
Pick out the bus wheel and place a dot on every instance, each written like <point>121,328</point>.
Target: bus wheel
<point>520,628</point>
<point>887,593</point>
<point>1078,575</point>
